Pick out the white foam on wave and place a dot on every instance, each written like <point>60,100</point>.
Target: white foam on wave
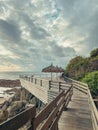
<point>4,94</point>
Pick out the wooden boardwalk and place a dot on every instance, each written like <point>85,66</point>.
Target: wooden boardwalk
<point>77,116</point>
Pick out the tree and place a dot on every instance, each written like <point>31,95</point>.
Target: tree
<point>94,53</point>
<point>92,80</point>
<point>77,67</point>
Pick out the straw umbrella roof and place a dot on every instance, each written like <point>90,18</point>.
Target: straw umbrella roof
<point>52,68</point>
<point>59,69</point>
<point>49,69</point>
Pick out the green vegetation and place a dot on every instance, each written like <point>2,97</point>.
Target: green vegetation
<point>77,67</point>
<point>92,80</point>
<point>94,53</point>
<point>80,67</point>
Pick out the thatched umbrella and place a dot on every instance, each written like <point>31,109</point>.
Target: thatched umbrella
<point>59,70</point>
<point>50,69</point>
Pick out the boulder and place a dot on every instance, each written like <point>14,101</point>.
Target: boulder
<point>3,115</point>
<point>16,107</point>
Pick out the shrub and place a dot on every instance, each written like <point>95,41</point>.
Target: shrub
<point>94,53</point>
<point>92,80</point>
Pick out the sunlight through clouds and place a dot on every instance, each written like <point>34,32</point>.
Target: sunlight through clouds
<point>10,67</point>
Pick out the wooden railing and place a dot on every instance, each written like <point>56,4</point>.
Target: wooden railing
<point>50,115</point>
<point>84,88</point>
<point>47,119</point>
<point>37,86</point>
<point>19,120</point>
<point>78,85</point>
<point>94,111</point>
<point>49,84</point>
<point>59,85</point>
<point>36,80</point>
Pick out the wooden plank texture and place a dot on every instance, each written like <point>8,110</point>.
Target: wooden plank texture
<point>77,116</point>
<point>19,120</point>
<point>45,112</point>
<point>37,90</point>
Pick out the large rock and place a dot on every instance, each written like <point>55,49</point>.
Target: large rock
<point>6,104</point>
<point>16,107</point>
<point>3,115</point>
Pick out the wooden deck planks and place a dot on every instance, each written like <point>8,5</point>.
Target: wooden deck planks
<point>77,116</point>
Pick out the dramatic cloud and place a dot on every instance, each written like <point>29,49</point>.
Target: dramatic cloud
<point>34,34</point>
<point>9,31</point>
<point>82,18</point>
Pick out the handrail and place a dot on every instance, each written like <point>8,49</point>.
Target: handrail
<point>49,84</point>
<point>35,80</point>
<point>78,85</point>
<point>35,77</point>
<point>94,111</point>
<point>58,85</point>
<point>19,120</point>
<point>85,89</point>
<point>51,113</point>
<point>47,119</point>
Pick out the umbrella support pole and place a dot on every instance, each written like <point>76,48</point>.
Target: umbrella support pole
<point>51,76</point>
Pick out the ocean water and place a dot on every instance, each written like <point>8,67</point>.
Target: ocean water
<point>15,75</point>
<point>9,76</point>
<point>3,93</point>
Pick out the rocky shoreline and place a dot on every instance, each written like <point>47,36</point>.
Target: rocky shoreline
<point>10,83</point>
<point>17,102</point>
<point>6,89</point>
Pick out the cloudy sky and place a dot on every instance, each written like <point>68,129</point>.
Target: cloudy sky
<point>36,33</point>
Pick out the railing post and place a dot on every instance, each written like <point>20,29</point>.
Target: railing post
<point>35,80</point>
<point>49,84</point>
<point>26,77</point>
<point>32,79</point>
<point>71,91</point>
<point>96,102</point>
<point>40,82</point>
<point>56,127</point>
<point>32,122</point>
<point>59,86</point>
